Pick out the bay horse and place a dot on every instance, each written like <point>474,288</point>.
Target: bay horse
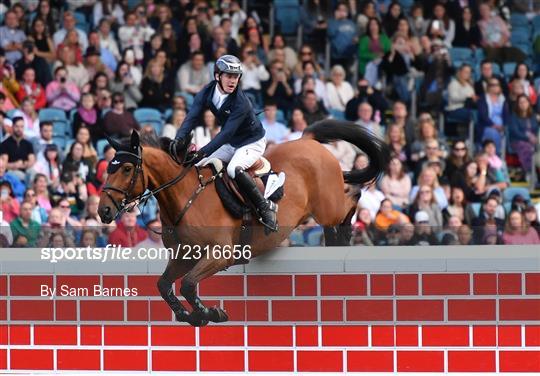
<point>314,186</point>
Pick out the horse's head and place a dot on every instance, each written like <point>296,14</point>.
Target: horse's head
<point>125,179</point>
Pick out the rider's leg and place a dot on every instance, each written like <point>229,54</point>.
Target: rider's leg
<point>224,153</point>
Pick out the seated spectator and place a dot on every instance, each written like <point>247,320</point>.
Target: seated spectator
<point>425,201</point>
<point>255,38</point>
<point>193,75</point>
<point>29,88</point>
<point>108,10</point>
<point>39,214</point>
<point>134,33</point>
<point>11,37</point>
<point>437,68</point>
<point>388,216</point>
<point>30,117</point>
<point>127,233</point>
<point>17,186</point>
<point>396,184</point>
<point>297,124</point>
<point>523,132</point>
<point>87,116</point>
<point>17,151</point>
<point>135,70</point>
<point>371,49</point>
<point>89,152</point>
<point>396,65</point>
<point>395,138</point>
<point>254,74</point>
<point>211,128</point>
<point>275,131</point>
<point>495,163</point>
<point>123,83</point>
<point>406,234</point>
<point>106,38</point>
<point>442,26</point>
<point>492,112</point>
<point>467,31</point>
<point>338,90</point>
<point>423,230</point>
<point>531,218</point>
<point>76,164</point>
<point>524,76</point>
<point>313,110</point>
<point>458,207</point>
<point>62,93</point>
<point>94,187</point>
<point>71,41</point>
<point>427,131</point>
<point>48,164</point>
<point>518,231</point>
<point>461,96</point>
<point>487,218</point>
<point>156,89</point>
<point>108,60</point>
<point>365,93</point>
<point>494,179</point>
<point>94,65</point>
<point>118,122</point>
<point>310,83</point>
<point>486,74</point>
<point>365,119</point>
<point>76,72</point>
<point>464,234</point>
<point>371,199</point>
<point>391,18</point>
<point>25,226</point>
<point>367,11</point>
<point>457,159</point>
<point>69,24</point>
<point>428,176</point>
<point>10,206</point>
<point>71,196</point>
<point>363,228</point>
<point>342,34</point>
<point>174,123</point>
<point>496,37</point>
<point>42,192</point>
<point>154,237</point>
<point>344,153</point>
<point>220,40</point>
<point>40,34</point>
<point>278,46</point>
<point>434,156</point>
<point>151,49</point>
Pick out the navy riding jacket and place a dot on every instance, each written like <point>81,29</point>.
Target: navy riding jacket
<point>239,125</point>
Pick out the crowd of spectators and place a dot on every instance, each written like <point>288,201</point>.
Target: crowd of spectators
<point>415,74</point>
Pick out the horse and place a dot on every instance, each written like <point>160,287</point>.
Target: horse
<point>314,186</point>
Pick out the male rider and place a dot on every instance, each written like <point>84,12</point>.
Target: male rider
<point>241,141</point>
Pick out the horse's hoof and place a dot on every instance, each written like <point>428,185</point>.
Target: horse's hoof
<point>182,316</point>
<point>197,318</point>
<point>216,314</point>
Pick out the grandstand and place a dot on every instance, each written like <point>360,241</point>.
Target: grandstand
<point>454,91</point>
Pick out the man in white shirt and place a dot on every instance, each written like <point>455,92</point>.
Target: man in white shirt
<point>69,24</point>
<point>275,131</point>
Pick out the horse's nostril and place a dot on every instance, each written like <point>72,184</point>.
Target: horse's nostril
<point>106,210</point>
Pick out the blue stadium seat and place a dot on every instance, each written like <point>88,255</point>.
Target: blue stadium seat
<point>280,117</point>
<point>511,192</point>
<point>287,16</point>
<point>336,114</point>
<point>475,206</point>
<point>57,116</point>
<point>188,97</point>
<point>167,114</point>
<point>11,113</point>
<point>81,22</point>
<point>536,25</point>
<point>100,147</point>
<point>460,53</point>
<point>518,19</point>
<point>508,69</point>
<point>149,116</point>
<point>60,141</point>
<point>520,36</point>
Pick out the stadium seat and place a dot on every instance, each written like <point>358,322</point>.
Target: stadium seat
<point>536,25</point>
<point>508,69</point>
<point>476,206</point>
<point>188,97</point>
<point>167,114</point>
<point>336,114</point>
<point>100,147</point>
<point>61,124</point>
<point>149,116</point>
<point>60,141</point>
<point>518,19</point>
<point>511,192</point>
<point>280,117</point>
<point>81,22</point>
<point>287,16</point>
<point>462,54</point>
<point>11,113</point>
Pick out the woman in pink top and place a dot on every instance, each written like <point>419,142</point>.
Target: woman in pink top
<point>518,231</point>
<point>396,184</point>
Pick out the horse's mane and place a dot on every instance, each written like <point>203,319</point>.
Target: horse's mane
<point>150,139</point>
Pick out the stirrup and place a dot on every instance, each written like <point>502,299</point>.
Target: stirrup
<point>273,207</point>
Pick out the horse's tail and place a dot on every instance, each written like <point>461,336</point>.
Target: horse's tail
<point>376,149</point>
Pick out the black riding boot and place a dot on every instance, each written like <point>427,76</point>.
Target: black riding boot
<point>265,208</point>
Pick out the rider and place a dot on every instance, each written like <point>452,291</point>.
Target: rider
<point>240,142</point>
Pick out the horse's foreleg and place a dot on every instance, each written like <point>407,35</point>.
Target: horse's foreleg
<point>174,270</point>
<point>206,267</point>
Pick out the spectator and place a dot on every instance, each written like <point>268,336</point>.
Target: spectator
<point>412,43</point>
<point>9,204</point>
<point>25,226</point>
<point>365,119</point>
<point>461,95</point>
<point>423,231</point>
<point>275,131</point>
<point>48,15</point>
<point>76,164</point>
<point>371,199</point>
<point>338,90</point>
<point>401,118</point>
<point>29,88</point>
<point>39,214</point>
<point>486,74</point>
<point>279,87</point>
<point>442,26</point>
<point>154,237</point>
<point>106,39</point>
<point>486,218</point>
<point>48,164</point>
<point>364,231</point>
<point>418,22</point>
<point>464,234</point>
<point>437,68</point>
<point>425,201</point>
<point>69,24</point>
<point>523,132</point>
<point>42,192</point>
<point>109,10</point>
<point>307,55</point>
<point>254,37</point>
<point>495,163</point>
<point>87,116</point>
<point>492,112</point>
<point>254,74</point>
<point>496,37</point>
<point>107,58</point>
<point>8,84</point>
<point>297,123</point>
<point>175,122</point>
<point>311,83</point>
<point>392,17</point>
<point>395,138</point>
<point>76,72</point>
<point>17,186</point>
<point>151,48</point>
<point>342,34</point>
<point>457,159</point>
<point>467,31</point>
<point>123,82</point>
<point>396,65</point>
<point>365,93</point>
<point>62,93</point>
<point>118,122</point>
<point>89,152</point>
<point>406,234</point>
<point>313,110</point>
<point>94,66</point>
<point>104,101</point>
<point>286,53</point>
<point>193,75</point>
<point>427,131</point>
<point>523,75</point>
<point>531,218</point>
<point>134,33</point>
<point>156,89</point>
<point>72,42</point>
<point>71,195</point>
<point>371,49</point>
<point>127,233</point>
<point>458,206</point>
<point>428,176</point>
<point>343,152</point>
<point>30,117</point>
<point>11,37</point>
<point>18,151</point>
<point>45,137</point>
<point>396,184</point>
<point>219,39</point>
<point>388,216</point>
<point>30,59</point>
<point>518,230</point>
<point>368,11</point>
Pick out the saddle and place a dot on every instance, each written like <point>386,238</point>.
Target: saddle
<point>228,191</point>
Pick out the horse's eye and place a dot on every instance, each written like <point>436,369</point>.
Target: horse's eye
<point>127,168</point>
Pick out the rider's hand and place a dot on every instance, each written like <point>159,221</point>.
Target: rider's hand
<point>193,157</point>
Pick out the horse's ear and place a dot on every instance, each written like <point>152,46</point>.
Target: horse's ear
<point>115,144</point>
<point>135,140</point>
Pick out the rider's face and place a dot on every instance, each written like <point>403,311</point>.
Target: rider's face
<point>229,82</point>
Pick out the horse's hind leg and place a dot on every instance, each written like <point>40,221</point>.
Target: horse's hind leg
<point>205,268</point>
<point>174,270</point>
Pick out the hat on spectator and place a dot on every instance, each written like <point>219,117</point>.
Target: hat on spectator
<point>92,51</point>
<point>421,216</point>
